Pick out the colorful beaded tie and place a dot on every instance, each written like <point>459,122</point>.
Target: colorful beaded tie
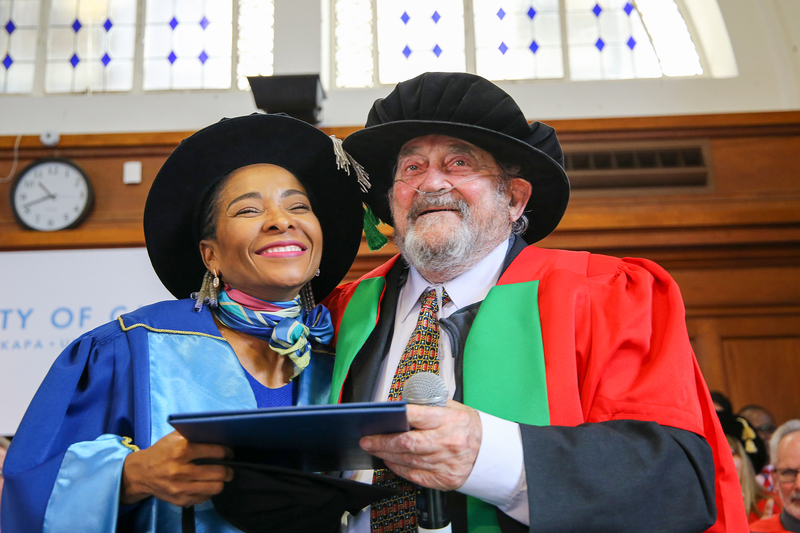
<point>398,514</point>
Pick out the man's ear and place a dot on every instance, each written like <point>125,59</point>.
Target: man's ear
<point>520,190</point>
<point>209,254</point>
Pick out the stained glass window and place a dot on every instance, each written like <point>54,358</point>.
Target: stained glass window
<point>19,22</point>
<point>518,39</point>
<point>254,42</point>
<point>511,39</point>
<point>353,43</point>
<point>416,36</point>
<point>607,40</point>
<point>676,51</point>
<point>188,44</point>
<point>90,45</point>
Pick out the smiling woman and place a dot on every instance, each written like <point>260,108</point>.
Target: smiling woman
<point>236,211</point>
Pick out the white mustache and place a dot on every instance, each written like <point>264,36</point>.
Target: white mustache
<point>421,204</point>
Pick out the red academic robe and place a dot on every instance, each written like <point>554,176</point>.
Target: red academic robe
<point>615,348</point>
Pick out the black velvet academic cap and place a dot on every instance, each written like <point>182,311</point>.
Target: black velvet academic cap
<point>467,107</point>
<point>200,161</point>
<point>738,428</point>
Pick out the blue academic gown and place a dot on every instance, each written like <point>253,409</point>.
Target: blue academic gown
<point>64,467</point>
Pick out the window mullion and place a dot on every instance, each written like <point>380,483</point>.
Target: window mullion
<point>469,37</point>
<point>564,39</point>
<point>41,48</point>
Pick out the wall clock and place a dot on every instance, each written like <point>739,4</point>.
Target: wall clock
<point>51,194</point>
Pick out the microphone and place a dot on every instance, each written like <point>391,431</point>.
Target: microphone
<point>427,388</point>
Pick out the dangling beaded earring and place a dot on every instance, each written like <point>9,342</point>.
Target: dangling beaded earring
<point>307,298</point>
<point>208,292</point>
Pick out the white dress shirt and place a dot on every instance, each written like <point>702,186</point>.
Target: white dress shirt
<point>498,476</point>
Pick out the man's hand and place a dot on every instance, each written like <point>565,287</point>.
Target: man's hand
<point>165,470</point>
<point>439,452</point>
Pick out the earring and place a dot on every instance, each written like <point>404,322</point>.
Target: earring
<point>317,274</point>
<point>215,282</point>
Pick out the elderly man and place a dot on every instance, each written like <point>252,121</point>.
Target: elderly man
<point>785,452</point>
<point>577,404</point>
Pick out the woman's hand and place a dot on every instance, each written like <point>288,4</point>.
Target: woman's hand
<point>165,470</point>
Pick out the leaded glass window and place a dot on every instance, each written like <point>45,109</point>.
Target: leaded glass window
<point>188,44</point>
<point>518,39</point>
<point>90,45</point>
<point>417,36</point>
<point>353,38</point>
<point>607,40</point>
<point>254,40</point>
<point>511,39</point>
<point>20,23</point>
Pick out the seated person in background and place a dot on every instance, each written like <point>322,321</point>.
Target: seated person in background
<point>785,451</point>
<point>4,442</point>
<point>749,456</point>
<point>241,207</point>
<point>761,420</point>
<point>764,424</point>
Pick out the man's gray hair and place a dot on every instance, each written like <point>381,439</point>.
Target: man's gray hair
<point>788,428</point>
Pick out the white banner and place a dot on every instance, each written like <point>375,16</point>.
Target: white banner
<point>49,298</point>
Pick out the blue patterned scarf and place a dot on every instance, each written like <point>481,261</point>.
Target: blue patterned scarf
<point>284,324</point>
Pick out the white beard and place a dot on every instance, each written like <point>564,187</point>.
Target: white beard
<point>442,251</point>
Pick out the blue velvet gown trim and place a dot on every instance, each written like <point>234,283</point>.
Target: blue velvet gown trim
<point>123,379</point>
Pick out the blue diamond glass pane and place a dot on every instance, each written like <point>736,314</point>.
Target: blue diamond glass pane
<point>203,57</point>
<point>600,44</point>
<point>10,27</point>
<point>596,10</point>
<point>7,62</point>
<point>107,24</point>
<point>436,16</point>
<point>437,50</point>
<point>534,47</point>
<point>406,51</point>
<point>173,23</point>
<point>76,25</point>
<point>628,8</point>
<point>204,23</point>
<point>531,13</point>
<point>631,43</point>
<point>503,48</point>
<point>74,60</point>
<point>501,14</point>
<point>405,18</point>
<point>106,59</point>
<point>172,57</point>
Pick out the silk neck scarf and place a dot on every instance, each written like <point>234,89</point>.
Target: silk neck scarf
<point>285,325</point>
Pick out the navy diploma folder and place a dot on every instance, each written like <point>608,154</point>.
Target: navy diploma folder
<point>314,438</point>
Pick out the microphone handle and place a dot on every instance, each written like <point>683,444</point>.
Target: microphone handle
<point>432,513</point>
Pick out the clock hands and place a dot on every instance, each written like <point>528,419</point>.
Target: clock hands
<point>50,196</point>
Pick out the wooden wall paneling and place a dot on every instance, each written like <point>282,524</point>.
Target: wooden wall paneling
<point>764,371</point>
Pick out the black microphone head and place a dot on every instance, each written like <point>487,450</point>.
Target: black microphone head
<point>425,388</point>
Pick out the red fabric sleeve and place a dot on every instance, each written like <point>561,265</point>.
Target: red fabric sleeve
<point>615,340</point>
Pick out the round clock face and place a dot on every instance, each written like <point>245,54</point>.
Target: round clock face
<point>50,195</point>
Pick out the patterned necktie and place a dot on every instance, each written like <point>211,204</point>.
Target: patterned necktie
<point>399,514</point>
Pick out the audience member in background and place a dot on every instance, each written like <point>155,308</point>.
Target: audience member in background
<point>764,424</point>
<point>761,420</point>
<point>749,456</point>
<point>785,451</point>
<point>721,402</point>
<point>4,442</point>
